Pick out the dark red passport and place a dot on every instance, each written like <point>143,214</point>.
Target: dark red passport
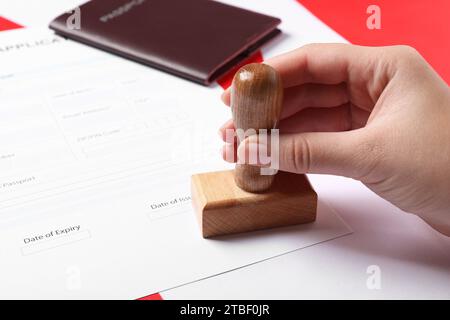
<point>196,39</point>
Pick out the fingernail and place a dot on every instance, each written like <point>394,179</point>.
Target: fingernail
<point>229,136</point>
<point>227,153</point>
<point>222,97</point>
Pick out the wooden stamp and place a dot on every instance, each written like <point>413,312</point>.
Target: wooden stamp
<point>243,200</point>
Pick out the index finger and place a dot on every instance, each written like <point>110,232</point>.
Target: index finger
<point>326,63</point>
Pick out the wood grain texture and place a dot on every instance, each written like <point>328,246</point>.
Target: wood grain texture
<point>223,208</point>
<point>242,200</point>
<point>256,103</point>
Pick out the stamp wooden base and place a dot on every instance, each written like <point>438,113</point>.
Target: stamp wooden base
<point>223,208</point>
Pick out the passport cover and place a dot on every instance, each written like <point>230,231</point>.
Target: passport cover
<point>195,39</point>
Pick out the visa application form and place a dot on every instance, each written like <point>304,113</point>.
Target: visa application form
<point>96,154</point>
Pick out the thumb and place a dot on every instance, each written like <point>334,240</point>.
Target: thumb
<point>349,153</point>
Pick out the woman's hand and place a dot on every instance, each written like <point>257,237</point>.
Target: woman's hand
<point>379,115</point>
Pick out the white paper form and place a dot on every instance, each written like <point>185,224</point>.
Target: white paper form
<point>96,154</point>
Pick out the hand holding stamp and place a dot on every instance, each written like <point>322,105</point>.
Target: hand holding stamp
<point>243,200</point>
